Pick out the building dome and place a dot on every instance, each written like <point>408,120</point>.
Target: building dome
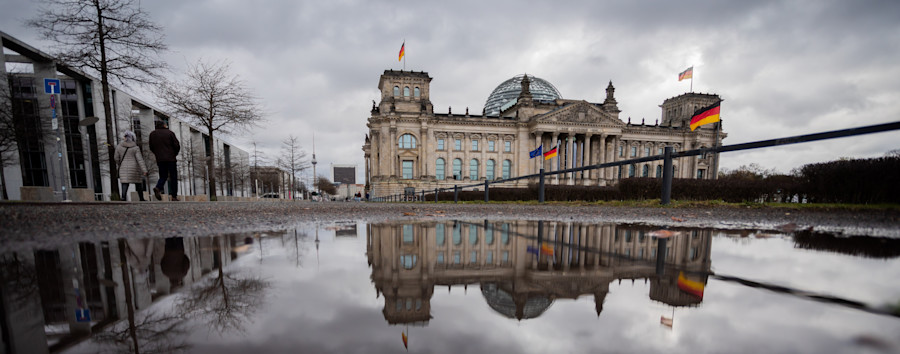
<point>501,301</point>
<point>509,90</point>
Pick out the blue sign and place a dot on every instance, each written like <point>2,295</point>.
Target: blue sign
<point>82,315</point>
<point>51,86</point>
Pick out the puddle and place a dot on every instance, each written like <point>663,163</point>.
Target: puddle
<point>457,286</point>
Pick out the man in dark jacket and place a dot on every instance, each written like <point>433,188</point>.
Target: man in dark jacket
<point>164,144</point>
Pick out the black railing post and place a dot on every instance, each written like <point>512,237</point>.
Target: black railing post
<point>423,195</point>
<point>541,187</point>
<point>487,192</point>
<point>455,193</point>
<point>660,255</point>
<point>436,195</point>
<point>667,177</point>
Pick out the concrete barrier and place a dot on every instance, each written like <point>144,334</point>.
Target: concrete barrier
<point>40,194</point>
<point>81,195</point>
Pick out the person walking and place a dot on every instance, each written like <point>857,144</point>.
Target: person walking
<point>164,145</point>
<point>131,165</point>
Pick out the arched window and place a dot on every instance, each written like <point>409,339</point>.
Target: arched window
<point>407,141</point>
<point>396,91</point>
<point>473,169</point>
<point>439,234</point>
<point>489,169</point>
<point>646,171</point>
<point>439,169</point>
<point>631,170</point>
<point>406,91</point>
<point>416,92</point>
<point>659,171</point>
<point>507,166</point>
<point>457,235</point>
<point>457,169</point>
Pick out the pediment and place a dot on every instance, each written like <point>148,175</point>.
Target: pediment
<point>579,112</point>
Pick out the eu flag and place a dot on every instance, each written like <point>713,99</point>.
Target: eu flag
<point>537,152</point>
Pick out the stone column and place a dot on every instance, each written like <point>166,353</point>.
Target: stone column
<point>392,151</point>
<point>539,163</point>
<point>554,163</point>
<point>587,155</point>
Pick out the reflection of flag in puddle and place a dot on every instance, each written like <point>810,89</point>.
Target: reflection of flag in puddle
<point>545,249</point>
<point>405,339</point>
<point>692,287</point>
<point>666,321</point>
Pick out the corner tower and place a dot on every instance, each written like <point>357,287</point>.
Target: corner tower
<point>405,92</point>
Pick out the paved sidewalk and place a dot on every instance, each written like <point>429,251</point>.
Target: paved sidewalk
<point>35,223</point>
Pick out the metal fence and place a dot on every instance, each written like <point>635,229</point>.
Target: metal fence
<point>667,157</point>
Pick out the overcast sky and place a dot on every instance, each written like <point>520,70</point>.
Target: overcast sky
<point>783,67</point>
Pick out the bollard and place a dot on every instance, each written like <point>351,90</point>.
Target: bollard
<point>436,195</point>
<point>486,191</point>
<point>660,255</point>
<point>667,177</point>
<point>541,187</point>
<point>455,193</point>
<point>423,195</point>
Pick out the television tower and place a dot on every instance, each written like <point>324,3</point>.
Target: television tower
<point>315,176</point>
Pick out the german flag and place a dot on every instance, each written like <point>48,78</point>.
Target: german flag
<point>402,48</point>
<point>686,74</point>
<point>692,287</point>
<point>551,154</point>
<point>705,116</point>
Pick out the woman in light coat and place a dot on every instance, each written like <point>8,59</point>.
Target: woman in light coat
<point>131,164</point>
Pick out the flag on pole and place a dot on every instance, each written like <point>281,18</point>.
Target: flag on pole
<point>402,51</point>
<point>705,116</point>
<point>532,249</point>
<point>550,154</point>
<point>546,249</point>
<point>684,75</point>
<point>537,152</point>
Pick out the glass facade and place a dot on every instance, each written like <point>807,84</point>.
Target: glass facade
<point>439,169</point>
<point>508,91</point>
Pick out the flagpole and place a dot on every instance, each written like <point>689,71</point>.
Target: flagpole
<point>404,57</point>
<point>692,78</point>
<point>715,171</point>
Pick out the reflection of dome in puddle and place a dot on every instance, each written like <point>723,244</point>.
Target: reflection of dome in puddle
<point>502,302</point>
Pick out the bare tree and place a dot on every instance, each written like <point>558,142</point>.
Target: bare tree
<point>324,185</point>
<point>258,158</point>
<point>293,159</point>
<point>211,97</point>
<point>112,38</point>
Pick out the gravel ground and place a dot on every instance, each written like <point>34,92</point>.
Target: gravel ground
<point>26,225</point>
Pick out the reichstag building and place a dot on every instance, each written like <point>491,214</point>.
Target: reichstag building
<point>409,146</point>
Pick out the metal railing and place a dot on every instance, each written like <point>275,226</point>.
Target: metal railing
<point>668,155</point>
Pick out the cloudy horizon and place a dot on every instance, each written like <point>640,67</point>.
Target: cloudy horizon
<point>783,68</point>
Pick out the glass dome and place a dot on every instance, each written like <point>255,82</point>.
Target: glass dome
<point>506,93</point>
<point>502,302</point>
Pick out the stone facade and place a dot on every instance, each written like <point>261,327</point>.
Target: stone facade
<point>410,147</point>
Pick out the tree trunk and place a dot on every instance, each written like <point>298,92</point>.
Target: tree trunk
<point>211,165</point>
<point>3,183</point>
<point>107,109</point>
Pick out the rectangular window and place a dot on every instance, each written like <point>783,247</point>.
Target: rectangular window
<point>699,174</point>
<point>491,145</point>
<point>490,257</point>
<point>407,234</point>
<point>456,257</point>
<point>621,151</point>
<point>662,151</point>
<point>474,145</point>
<point>457,144</point>
<point>440,144</point>
<point>407,169</point>
<point>440,258</point>
<point>474,257</point>
<point>633,151</point>
<point>505,258</point>
<point>647,151</point>
<point>507,146</point>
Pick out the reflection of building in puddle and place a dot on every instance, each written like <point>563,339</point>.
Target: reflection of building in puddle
<point>344,230</point>
<point>73,290</point>
<point>522,268</point>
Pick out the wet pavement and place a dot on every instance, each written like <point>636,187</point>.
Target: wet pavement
<point>436,282</point>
